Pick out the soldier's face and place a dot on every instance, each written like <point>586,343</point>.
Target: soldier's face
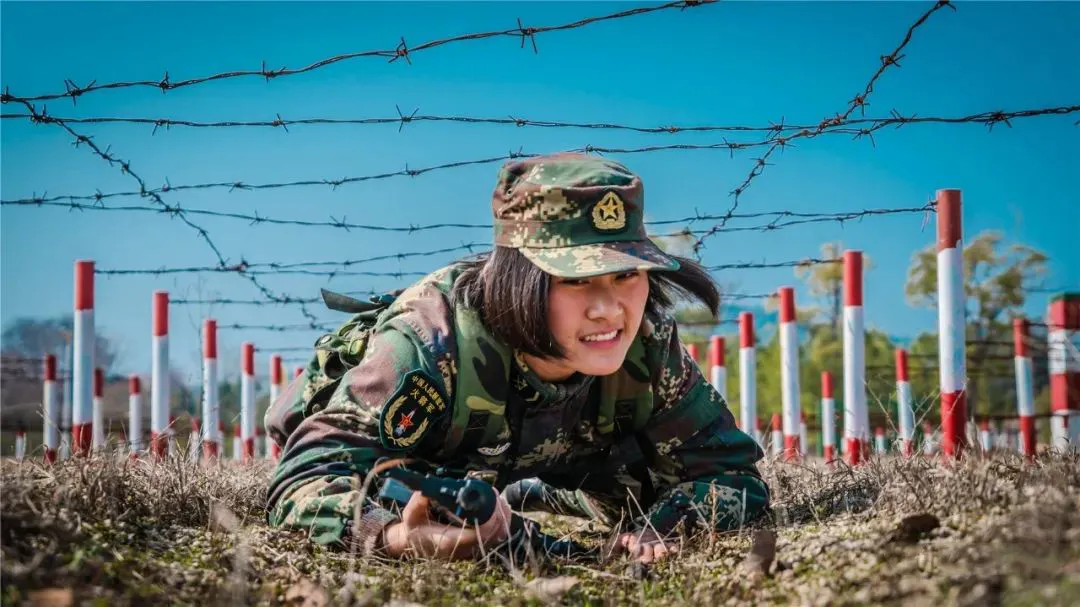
<point>594,320</point>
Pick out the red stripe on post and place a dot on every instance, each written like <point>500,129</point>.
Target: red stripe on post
<point>853,277</point>
<point>299,371</point>
<point>716,351</point>
<point>99,382</point>
<point>1020,336</point>
<point>901,365</point>
<point>692,351</point>
<point>826,385</point>
<point>746,330</point>
<point>210,339</point>
<point>787,304</point>
<point>777,423</point>
<point>50,367</point>
<point>1027,434</point>
<point>248,356</point>
<point>275,369</point>
<point>954,415</point>
<point>854,451</point>
<point>948,219</point>
<point>134,385</point>
<point>161,313</point>
<point>196,425</point>
<point>84,285</point>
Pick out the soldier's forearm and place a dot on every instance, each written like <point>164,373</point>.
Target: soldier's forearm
<point>722,502</point>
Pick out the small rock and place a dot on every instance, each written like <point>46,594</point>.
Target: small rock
<point>762,553</point>
<point>912,528</point>
<point>550,590</point>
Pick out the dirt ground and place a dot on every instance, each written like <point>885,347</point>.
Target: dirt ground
<point>984,531</point>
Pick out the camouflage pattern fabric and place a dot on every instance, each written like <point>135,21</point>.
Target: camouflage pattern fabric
<point>575,216</point>
<point>332,431</point>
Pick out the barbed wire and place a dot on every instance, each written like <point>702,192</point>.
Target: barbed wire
<point>125,168</point>
<point>989,118</point>
<point>401,51</point>
<point>299,268</point>
<point>860,101</point>
<point>278,328</point>
<point>795,218</point>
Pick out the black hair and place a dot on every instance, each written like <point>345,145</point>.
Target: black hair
<point>510,293</point>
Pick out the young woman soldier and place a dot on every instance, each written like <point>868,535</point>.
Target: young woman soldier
<point>552,363</point>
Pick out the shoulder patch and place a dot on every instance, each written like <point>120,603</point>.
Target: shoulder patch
<point>410,411</point>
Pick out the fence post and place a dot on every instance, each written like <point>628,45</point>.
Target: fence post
<point>277,381</point>
<point>135,414</point>
<point>828,418</point>
<point>83,359</point>
<point>20,443</point>
<point>717,369</point>
<point>748,377</point>
<point>247,401</point>
<point>880,444</point>
<point>1025,387</point>
<point>214,437</point>
<point>951,323</point>
<point>903,400</point>
<point>99,409</point>
<point>51,396</point>
<point>789,373</point>
<point>777,435</point>
<point>856,417</point>
<point>159,376</point>
<point>1064,363</point>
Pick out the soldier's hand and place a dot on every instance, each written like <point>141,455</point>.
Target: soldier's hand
<point>417,534</point>
<point>645,546</point>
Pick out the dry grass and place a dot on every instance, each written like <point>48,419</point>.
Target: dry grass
<point>116,532</point>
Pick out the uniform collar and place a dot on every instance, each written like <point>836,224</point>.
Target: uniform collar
<point>537,392</point>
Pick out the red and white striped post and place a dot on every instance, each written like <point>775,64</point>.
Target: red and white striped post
<point>984,436</point>
<point>99,409</point>
<point>1064,366</point>
<point>856,416</point>
<point>260,442</point>
<point>194,442</point>
<point>171,433</point>
<point>904,404</point>
<point>135,430</point>
<point>748,375</point>
<point>83,360</point>
<point>951,323</point>
<point>881,447</point>
<point>159,376</point>
<point>692,351</point>
<point>717,370</point>
<point>777,434</point>
<point>247,400</point>
<point>828,418</point>
<point>20,443</point>
<point>802,435</point>
<point>211,421</point>
<point>238,439</point>
<point>51,396</point>
<point>299,371</point>
<point>277,383</point>
<point>1025,386</point>
<point>928,438</point>
<point>789,373</point>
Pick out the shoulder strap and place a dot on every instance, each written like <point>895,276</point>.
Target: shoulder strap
<point>626,396</point>
<point>483,383</point>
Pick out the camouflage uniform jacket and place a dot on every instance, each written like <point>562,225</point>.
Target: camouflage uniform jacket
<point>700,466</point>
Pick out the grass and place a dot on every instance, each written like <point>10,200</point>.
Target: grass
<point>115,531</point>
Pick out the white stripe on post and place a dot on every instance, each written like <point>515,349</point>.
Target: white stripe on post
<point>247,400</point>
<point>159,376</point>
<point>213,437</point>
<point>135,430</point>
<point>802,435</point>
<point>928,438</point>
<point>828,418</point>
<point>1025,387</point>
<point>171,433</point>
<point>83,359</point>
<point>51,394</point>
<point>951,323</point>
<point>66,411</point>
<point>904,404</point>
<point>789,373</point>
<point>194,442</point>
<point>856,416</point>
<point>880,445</point>
<point>984,436</point>
<point>1064,367</point>
<point>99,408</point>
<point>237,451</point>
<point>748,376</point>
<point>717,370</point>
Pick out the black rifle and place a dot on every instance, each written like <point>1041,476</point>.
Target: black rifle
<point>471,501</point>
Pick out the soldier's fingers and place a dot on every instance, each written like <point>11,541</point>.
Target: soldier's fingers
<point>418,511</point>
<point>646,554</point>
<point>660,551</point>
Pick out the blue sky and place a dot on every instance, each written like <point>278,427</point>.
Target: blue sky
<point>730,63</point>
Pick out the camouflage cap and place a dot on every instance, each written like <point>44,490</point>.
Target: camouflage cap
<point>575,216</point>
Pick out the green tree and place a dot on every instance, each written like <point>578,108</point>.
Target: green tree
<point>997,278</point>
